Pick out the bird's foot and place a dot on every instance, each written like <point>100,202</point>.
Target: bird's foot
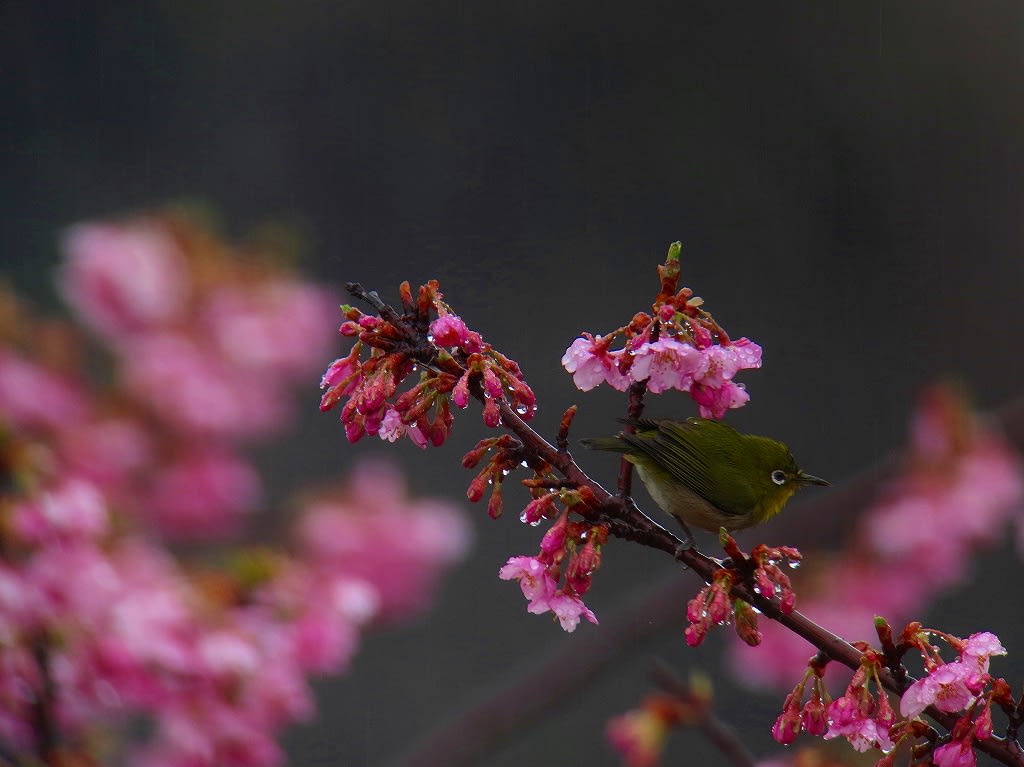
<point>686,544</point>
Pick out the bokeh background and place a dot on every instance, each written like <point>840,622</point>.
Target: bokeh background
<point>847,179</point>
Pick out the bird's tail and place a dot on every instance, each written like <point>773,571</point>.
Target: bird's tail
<point>615,444</point>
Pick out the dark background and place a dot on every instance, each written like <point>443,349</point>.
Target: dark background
<point>846,178</point>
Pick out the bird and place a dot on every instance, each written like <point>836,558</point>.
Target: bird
<point>706,473</point>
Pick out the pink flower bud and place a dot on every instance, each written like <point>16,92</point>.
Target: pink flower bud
<point>786,727</point>
<point>491,415</point>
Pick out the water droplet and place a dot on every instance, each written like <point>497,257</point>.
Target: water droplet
<point>522,409</point>
<point>526,521</point>
<point>794,564</point>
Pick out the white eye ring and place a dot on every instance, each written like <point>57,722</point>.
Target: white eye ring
<point>779,477</point>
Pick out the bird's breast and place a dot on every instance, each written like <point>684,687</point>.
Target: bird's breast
<point>680,501</point>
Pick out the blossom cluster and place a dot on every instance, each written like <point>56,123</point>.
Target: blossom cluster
<point>99,470</point>
<point>963,685</point>
<point>867,719</point>
<point>574,547</point>
<point>453,362</point>
<point>961,485</point>
<point>715,605</point>
<point>205,345</point>
<point>677,346</point>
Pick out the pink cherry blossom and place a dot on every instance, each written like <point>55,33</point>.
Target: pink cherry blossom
<point>73,509</point>
<point>979,648</point>
<point>33,397</point>
<point>713,402</point>
<point>956,754</point>
<point>848,719</point>
<point>278,327</point>
<point>725,361</point>
<point>946,687</point>
<point>203,495</point>
<point>400,548</point>
<point>538,587</point>
<point>668,364</point>
<point>196,392</point>
<point>569,608</point>
<point>787,726</point>
<point>591,364</point>
<point>123,278</point>
<point>391,428</point>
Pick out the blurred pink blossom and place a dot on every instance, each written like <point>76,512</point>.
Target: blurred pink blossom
<point>32,397</point>
<point>73,509</point>
<point>195,391</point>
<point>98,622</point>
<point>123,278</point>
<point>281,327</point>
<point>372,531</point>
<point>202,495</point>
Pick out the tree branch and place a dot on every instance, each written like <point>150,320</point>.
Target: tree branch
<point>628,522</point>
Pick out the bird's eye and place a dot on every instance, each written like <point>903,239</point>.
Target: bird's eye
<point>779,477</point>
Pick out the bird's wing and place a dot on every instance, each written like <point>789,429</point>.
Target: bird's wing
<point>714,475</point>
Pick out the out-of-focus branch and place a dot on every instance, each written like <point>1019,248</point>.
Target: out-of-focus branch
<point>717,732</point>
<point>531,690</point>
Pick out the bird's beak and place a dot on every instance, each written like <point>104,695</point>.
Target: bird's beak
<point>810,479</point>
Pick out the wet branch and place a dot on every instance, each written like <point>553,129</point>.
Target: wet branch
<point>626,521</point>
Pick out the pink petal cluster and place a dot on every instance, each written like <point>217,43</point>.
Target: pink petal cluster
<point>219,679</point>
<point>591,364</point>
<point>950,687</point>
<point>375,404</point>
<point>955,754</point>
<point>207,356</point>
<point>207,346</point>
<point>543,594</point>
<point>864,729</point>
<point>401,548</point>
<point>569,549</point>
<point>957,685</point>
<point>124,278</point>
<point>863,719</point>
<point>101,628</point>
<point>668,363</point>
<point>32,397</point>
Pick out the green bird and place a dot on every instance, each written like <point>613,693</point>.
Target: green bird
<point>707,474</point>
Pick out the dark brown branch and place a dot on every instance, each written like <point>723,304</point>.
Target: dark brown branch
<point>649,533</point>
<point>42,710</point>
<point>627,521</point>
